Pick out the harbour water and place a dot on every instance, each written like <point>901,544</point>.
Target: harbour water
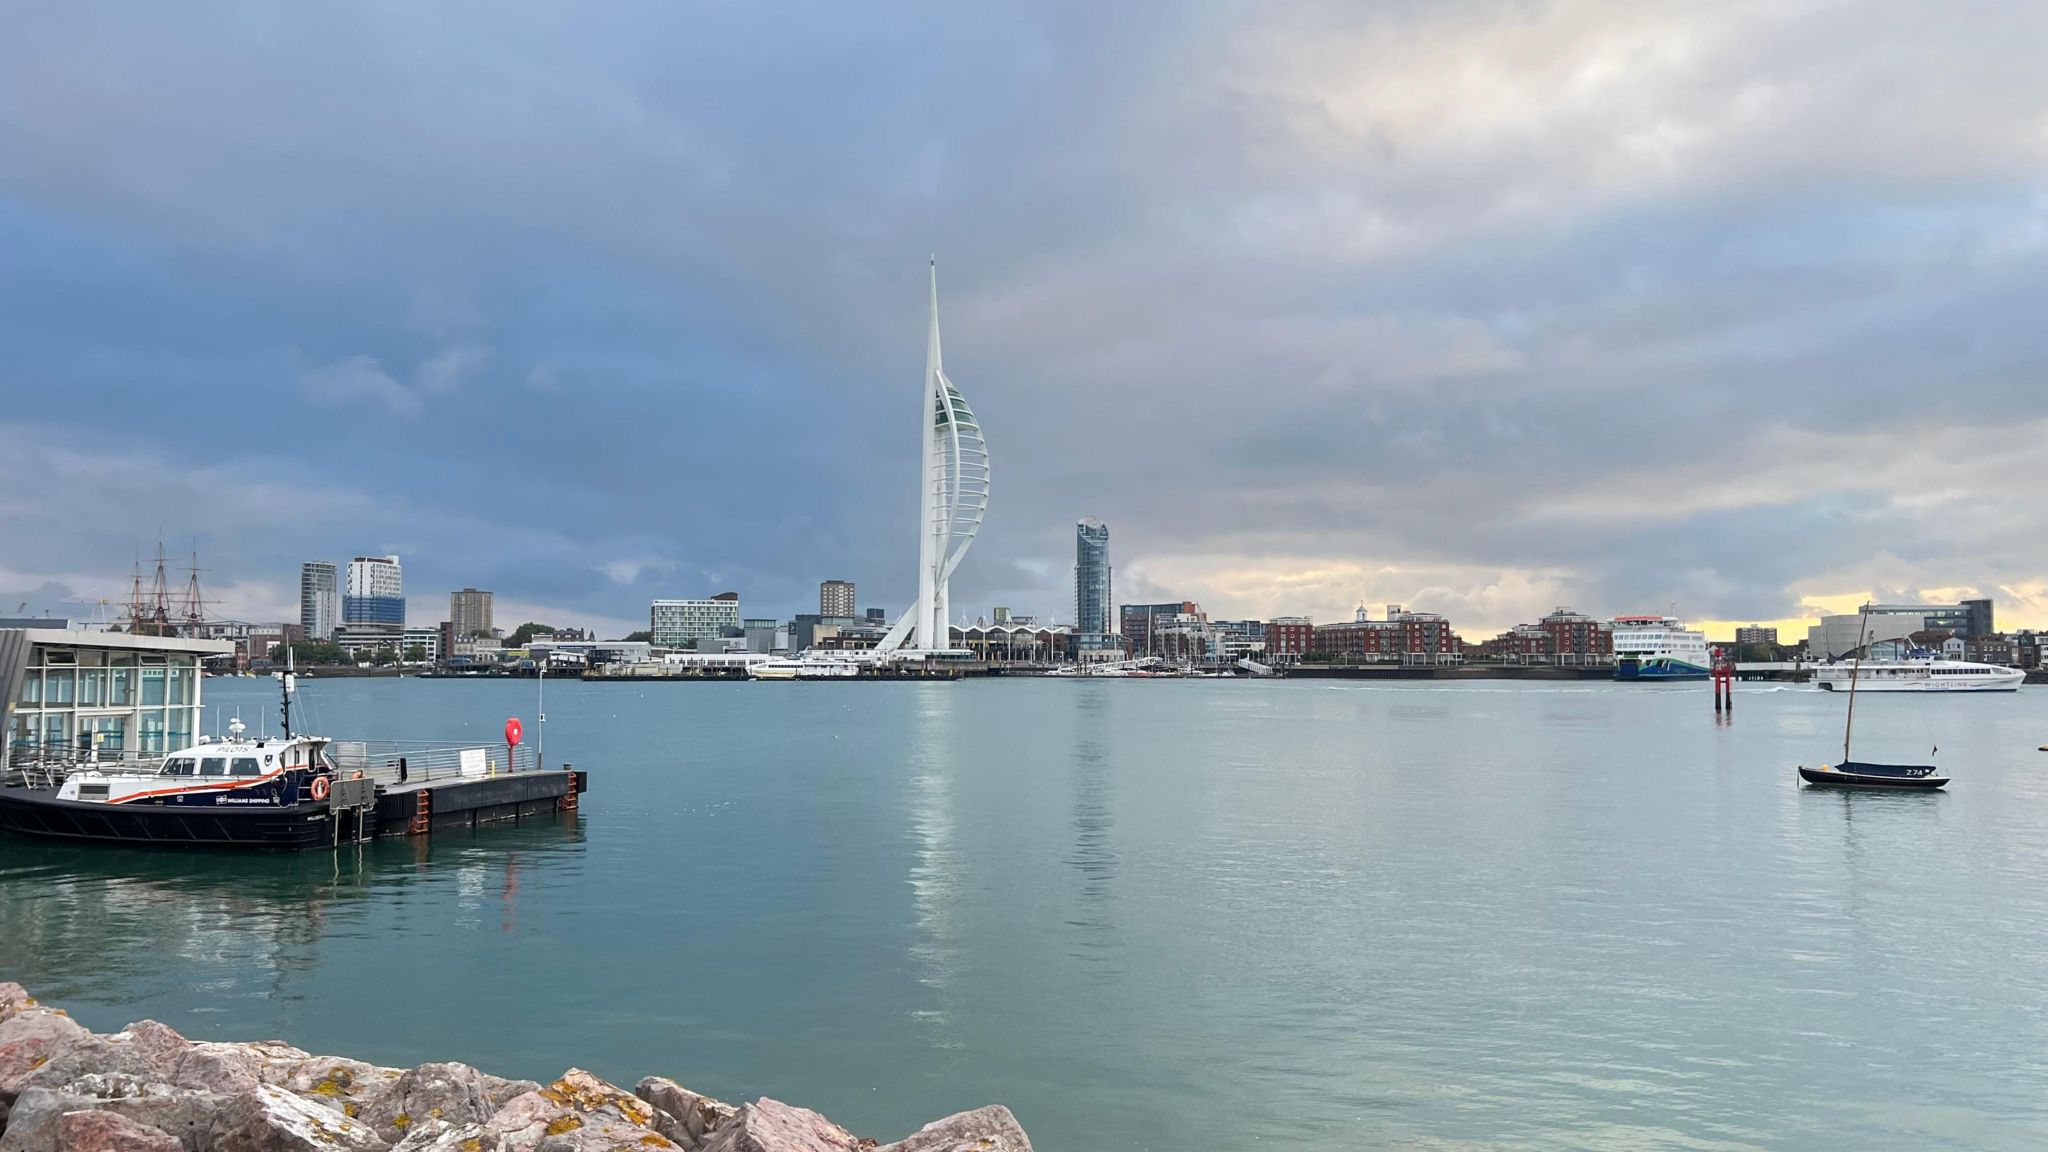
<point>1155,915</point>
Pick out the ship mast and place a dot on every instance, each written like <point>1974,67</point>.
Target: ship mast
<point>1849,721</point>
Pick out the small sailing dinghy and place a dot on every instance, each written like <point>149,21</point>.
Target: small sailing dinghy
<point>1864,773</point>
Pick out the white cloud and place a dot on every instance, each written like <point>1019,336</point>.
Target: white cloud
<point>357,380</point>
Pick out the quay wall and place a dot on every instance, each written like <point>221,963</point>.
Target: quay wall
<point>148,1089</point>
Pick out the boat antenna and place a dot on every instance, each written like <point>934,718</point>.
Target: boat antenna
<point>285,707</point>
<point>1849,721</point>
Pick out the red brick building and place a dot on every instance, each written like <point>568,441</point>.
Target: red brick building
<point>1289,638</point>
<point>1404,638</point>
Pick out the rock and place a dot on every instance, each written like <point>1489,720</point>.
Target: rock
<point>990,1129</point>
<point>13,999</point>
<point>271,1119</point>
<point>577,1113</point>
<point>96,1131</point>
<point>682,1115</point>
<point>188,1116</point>
<point>452,1093</point>
<point>345,1086</point>
<point>29,1042</point>
<point>772,1126</point>
<point>436,1136</point>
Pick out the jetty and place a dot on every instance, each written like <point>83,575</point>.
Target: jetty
<point>148,1089</point>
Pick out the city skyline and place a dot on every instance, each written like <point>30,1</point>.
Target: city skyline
<point>1612,306</point>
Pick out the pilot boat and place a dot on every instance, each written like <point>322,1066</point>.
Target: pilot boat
<point>262,792</point>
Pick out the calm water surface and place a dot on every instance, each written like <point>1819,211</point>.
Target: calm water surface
<point>1156,915</point>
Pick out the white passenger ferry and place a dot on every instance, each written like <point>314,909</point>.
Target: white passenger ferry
<point>1919,674</point>
<point>1659,648</point>
<point>805,667</point>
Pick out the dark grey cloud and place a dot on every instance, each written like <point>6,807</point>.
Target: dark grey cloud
<point>1471,305</point>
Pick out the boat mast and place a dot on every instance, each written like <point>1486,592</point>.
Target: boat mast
<point>286,707</point>
<point>1849,721</point>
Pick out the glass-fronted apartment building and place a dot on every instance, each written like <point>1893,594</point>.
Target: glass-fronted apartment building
<point>375,593</point>
<point>681,623</point>
<point>1091,580</point>
<point>319,599</point>
<point>72,695</point>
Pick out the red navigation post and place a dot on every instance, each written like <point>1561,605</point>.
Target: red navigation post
<point>1724,682</point>
<point>512,734</point>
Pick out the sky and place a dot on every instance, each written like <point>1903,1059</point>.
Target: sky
<point>1733,310</point>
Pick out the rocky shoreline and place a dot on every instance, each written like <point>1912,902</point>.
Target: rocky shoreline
<point>148,1089</point>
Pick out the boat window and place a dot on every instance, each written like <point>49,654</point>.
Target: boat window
<point>177,766</point>
<point>246,766</point>
<point>213,766</point>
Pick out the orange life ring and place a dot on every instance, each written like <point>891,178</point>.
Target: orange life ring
<point>320,787</point>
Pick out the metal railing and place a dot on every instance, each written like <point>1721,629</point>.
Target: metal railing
<point>388,762</point>
<point>391,762</point>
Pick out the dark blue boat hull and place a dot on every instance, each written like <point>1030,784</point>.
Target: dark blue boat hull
<point>1861,774</point>
<point>38,812</point>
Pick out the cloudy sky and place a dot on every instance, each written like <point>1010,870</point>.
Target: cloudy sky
<point>1480,307</point>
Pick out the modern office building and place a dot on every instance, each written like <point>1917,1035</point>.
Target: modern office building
<point>1835,636</point>
<point>1092,593</point>
<point>69,695</point>
<point>319,599</point>
<point>952,498</point>
<point>469,612</point>
<point>681,623</point>
<point>1136,621</point>
<point>375,592</point>
<point>760,634</point>
<point>835,598</point>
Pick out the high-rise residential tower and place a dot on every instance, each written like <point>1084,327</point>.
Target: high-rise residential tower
<point>952,497</point>
<point>319,599</point>
<point>835,598</point>
<point>1092,603</point>
<point>375,593</point>
<point>469,612</point>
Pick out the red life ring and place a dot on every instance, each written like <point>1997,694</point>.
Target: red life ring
<point>320,787</point>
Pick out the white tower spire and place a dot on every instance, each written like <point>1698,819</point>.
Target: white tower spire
<point>952,496</point>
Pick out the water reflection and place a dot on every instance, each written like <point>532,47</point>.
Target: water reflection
<point>934,878</point>
<point>118,925</point>
<point>1094,856</point>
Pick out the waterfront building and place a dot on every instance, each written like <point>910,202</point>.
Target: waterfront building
<point>375,592</point>
<point>1135,621</point>
<point>1757,635</point>
<point>363,641</point>
<point>1404,637</point>
<point>1238,639</point>
<point>1289,638</point>
<point>1835,636</point>
<point>1092,589</point>
<point>681,623</point>
<point>319,599</point>
<point>1998,650</point>
<point>1013,642</point>
<point>469,612</point>
<point>835,598</point>
<point>1578,639</point>
<point>953,493</point>
<point>69,695</point>
<point>760,634</point>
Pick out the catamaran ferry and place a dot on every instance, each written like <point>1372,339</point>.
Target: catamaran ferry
<point>1659,648</point>
<point>1926,673</point>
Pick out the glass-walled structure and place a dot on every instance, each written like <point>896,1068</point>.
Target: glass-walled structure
<point>72,696</point>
